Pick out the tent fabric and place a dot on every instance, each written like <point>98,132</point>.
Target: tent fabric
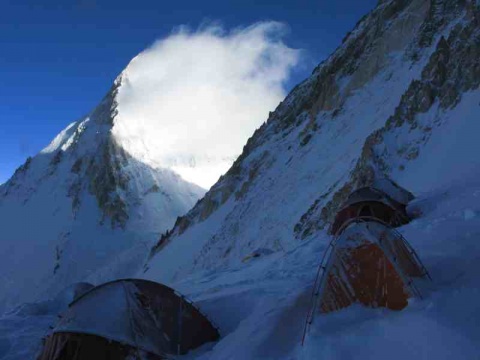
<point>141,314</point>
<point>72,346</point>
<point>369,203</point>
<point>371,265</point>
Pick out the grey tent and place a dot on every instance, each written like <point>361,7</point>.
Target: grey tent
<point>128,319</point>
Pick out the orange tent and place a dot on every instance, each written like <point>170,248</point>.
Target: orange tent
<point>368,261</point>
<point>371,264</point>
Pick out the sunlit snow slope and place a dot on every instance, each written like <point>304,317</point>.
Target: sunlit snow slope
<point>79,204</point>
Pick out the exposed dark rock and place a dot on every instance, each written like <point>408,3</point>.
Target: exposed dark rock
<point>154,189</point>
<point>306,140</point>
<point>23,168</point>
<point>106,182</point>
<point>57,158</point>
<point>77,166</point>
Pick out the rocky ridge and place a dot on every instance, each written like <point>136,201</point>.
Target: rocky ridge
<point>434,43</point>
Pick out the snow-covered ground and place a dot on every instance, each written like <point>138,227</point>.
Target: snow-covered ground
<point>261,305</point>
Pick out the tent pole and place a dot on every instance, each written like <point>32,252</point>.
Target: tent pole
<point>180,311</point>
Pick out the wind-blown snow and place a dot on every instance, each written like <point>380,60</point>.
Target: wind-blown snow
<point>194,98</point>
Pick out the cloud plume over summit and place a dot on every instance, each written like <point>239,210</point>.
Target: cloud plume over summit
<point>191,100</point>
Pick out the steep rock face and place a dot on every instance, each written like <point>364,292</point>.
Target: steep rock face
<point>358,118</point>
<point>80,206</point>
<point>452,70</point>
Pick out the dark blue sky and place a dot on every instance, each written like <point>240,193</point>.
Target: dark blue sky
<point>59,57</point>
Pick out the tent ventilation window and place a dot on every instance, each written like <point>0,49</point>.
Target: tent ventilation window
<point>366,211</point>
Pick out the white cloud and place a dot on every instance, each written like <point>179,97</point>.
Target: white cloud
<point>191,101</point>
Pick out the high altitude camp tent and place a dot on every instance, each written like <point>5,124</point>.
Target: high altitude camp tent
<point>368,261</point>
<point>369,202</point>
<point>128,319</point>
<point>372,264</point>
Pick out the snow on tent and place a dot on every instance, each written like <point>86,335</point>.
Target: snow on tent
<point>128,319</point>
<point>368,261</point>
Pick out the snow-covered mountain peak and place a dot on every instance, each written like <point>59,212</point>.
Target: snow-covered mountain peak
<point>86,201</point>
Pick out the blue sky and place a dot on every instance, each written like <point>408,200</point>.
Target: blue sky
<point>60,57</point>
